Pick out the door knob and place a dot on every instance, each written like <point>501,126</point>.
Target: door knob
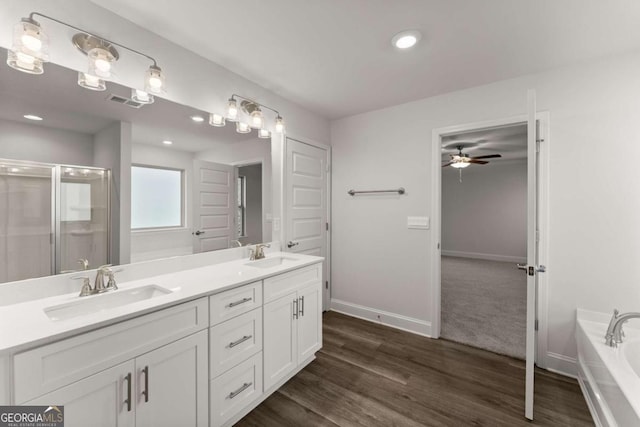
<point>522,267</point>
<point>197,233</point>
<point>292,244</point>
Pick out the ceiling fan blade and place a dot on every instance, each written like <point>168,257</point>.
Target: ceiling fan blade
<point>447,164</point>
<point>478,162</point>
<point>488,156</point>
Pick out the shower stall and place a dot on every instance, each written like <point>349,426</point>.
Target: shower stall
<point>52,217</point>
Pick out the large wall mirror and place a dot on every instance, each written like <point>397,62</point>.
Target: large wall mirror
<point>103,179</point>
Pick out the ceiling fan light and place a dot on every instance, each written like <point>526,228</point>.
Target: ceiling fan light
<point>216,120</point>
<point>90,82</point>
<point>154,81</point>
<point>460,164</point>
<point>26,63</point>
<point>232,110</point>
<point>141,96</point>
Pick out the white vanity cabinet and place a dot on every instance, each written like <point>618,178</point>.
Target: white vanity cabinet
<point>292,322</point>
<point>147,371</point>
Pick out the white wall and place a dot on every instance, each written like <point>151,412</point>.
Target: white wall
<point>146,245</point>
<point>485,215</point>
<point>23,141</point>
<point>594,233</point>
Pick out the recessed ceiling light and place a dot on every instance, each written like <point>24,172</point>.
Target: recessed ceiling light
<point>167,142</point>
<point>406,39</point>
<point>197,119</point>
<point>32,117</point>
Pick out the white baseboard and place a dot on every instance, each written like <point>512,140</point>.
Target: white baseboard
<point>489,257</point>
<point>561,364</point>
<point>398,321</point>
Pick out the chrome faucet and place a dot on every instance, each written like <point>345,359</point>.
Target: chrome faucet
<point>258,251</point>
<point>615,333</point>
<point>238,243</point>
<point>98,284</point>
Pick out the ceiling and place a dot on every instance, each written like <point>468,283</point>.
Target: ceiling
<point>63,104</point>
<point>334,57</point>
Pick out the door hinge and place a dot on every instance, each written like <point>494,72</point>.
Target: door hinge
<point>326,284</point>
<point>536,325</point>
<point>327,226</point>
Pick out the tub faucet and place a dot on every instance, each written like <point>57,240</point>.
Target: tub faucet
<point>615,333</point>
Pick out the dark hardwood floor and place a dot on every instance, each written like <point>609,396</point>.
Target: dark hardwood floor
<point>371,375</point>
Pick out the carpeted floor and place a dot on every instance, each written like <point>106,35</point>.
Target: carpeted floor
<point>484,304</point>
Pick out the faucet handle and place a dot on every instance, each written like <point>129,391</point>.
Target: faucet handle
<point>86,285</point>
<point>105,267</point>
<point>84,263</point>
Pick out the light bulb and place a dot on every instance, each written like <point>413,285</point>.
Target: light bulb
<point>100,62</point>
<point>103,65</point>
<point>232,110</point>
<point>279,127</point>
<point>257,119</point>
<point>154,80</point>
<point>460,165</point>
<point>91,82</point>
<point>31,41</point>
<point>216,120</point>
<point>263,133</point>
<point>242,127</point>
<point>141,96</point>
<point>24,62</point>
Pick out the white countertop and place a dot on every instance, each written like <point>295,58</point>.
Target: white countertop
<point>25,325</point>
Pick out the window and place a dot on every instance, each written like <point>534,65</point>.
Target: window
<point>241,189</point>
<point>156,197</point>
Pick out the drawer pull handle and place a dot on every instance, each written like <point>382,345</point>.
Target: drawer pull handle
<point>145,392</point>
<point>240,341</point>
<point>242,301</point>
<point>240,390</point>
<point>128,399</point>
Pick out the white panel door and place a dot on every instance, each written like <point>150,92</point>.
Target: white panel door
<point>309,321</point>
<point>306,198</point>
<point>214,206</point>
<point>106,399</point>
<point>532,249</point>
<point>280,339</point>
<point>173,384</point>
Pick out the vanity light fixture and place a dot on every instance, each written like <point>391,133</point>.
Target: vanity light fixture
<point>91,82</point>
<point>242,127</point>
<point>32,117</point>
<point>216,120</point>
<point>406,39</point>
<point>264,133</point>
<point>30,49</point>
<point>254,110</point>
<point>141,96</point>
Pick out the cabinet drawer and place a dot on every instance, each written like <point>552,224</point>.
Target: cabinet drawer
<point>52,366</point>
<point>234,302</point>
<point>235,390</point>
<point>235,340</point>
<point>278,286</point>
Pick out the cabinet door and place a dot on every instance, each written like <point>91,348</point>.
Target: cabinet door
<point>99,400</point>
<point>173,384</point>
<point>309,321</point>
<point>280,339</point>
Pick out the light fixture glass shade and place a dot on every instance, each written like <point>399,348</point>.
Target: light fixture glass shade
<point>232,110</point>
<point>264,134</point>
<point>101,63</point>
<point>242,127</point>
<point>460,164</point>
<point>279,126</point>
<point>141,96</point>
<point>90,82</point>
<point>23,62</point>
<point>29,39</point>
<point>216,120</point>
<point>256,118</point>
<point>154,80</point>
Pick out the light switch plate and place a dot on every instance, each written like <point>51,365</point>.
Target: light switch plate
<point>418,222</point>
<point>276,224</point>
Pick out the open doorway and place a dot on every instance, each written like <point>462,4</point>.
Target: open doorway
<point>249,200</point>
<point>484,236</point>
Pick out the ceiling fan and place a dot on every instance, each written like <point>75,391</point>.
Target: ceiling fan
<point>462,160</point>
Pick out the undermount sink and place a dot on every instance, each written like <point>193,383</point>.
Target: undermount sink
<point>102,302</point>
<point>270,262</point>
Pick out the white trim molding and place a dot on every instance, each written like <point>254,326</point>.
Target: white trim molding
<point>561,364</point>
<point>398,321</point>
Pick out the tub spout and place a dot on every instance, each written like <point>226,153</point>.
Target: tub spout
<point>615,334</point>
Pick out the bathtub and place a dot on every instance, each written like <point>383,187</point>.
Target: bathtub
<point>609,377</point>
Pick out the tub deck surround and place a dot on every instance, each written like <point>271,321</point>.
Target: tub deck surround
<point>26,325</point>
<point>608,380</point>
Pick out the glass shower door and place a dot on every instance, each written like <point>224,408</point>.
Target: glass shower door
<point>84,218</point>
<point>26,220</point>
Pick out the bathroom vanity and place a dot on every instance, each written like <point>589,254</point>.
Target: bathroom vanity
<point>195,346</point>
